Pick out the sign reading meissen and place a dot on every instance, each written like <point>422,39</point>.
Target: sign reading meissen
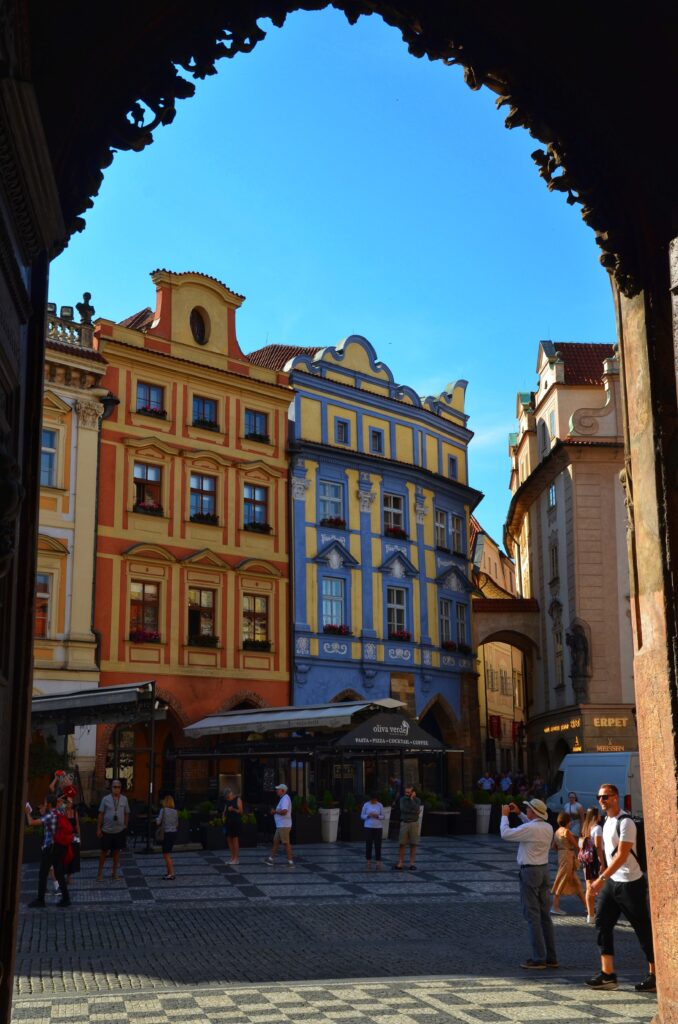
<point>388,730</point>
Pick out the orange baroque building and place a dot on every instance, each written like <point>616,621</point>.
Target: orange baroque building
<point>192,564</point>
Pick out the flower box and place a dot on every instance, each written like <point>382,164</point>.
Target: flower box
<point>261,438</point>
<point>306,828</point>
<point>144,636</point>
<point>149,508</point>
<point>336,521</point>
<point>400,634</point>
<point>258,527</point>
<point>395,531</point>
<point>248,834</point>
<point>149,410</point>
<point>205,424</point>
<point>337,630</point>
<point>448,645</point>
<point>203,640</point>
<point>208,518</point>
<point>212,837</point>
<point>256,645</point>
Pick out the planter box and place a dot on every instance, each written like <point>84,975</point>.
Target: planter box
<point>183,835</point>
<point>464,823</point>
<point>387,822</point>
<point>306,828</point>
<point>212,837</point>
<point>435,824</point>
<point>482,819</point>
<point>248,836</point>
<point>351,827</point>
<point>329,823</point>
<point>32,847</point>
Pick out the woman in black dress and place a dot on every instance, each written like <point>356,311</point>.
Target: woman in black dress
<point>232,817</point>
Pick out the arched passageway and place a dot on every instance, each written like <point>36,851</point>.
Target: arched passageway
<point>595,152</point>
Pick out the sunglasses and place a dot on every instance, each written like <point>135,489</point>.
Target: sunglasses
<point>605,796</point>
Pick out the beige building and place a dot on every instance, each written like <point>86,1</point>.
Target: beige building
<point>500,665</point>
<point>566,528</point>
<point>64,647</point>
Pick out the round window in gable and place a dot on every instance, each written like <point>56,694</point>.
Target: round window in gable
<point>199,326</point>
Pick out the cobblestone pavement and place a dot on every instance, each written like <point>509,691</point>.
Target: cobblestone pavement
<point>255,943</point>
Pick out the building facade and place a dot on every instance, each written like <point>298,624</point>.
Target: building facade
<point>567,527</point>
<point>192,559</point>
<point>64,644</point>
<point>501,664</point>
<point>380,507</point>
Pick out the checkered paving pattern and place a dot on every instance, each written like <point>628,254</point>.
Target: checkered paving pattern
<point>255,943</point>
<point>416,1001</point>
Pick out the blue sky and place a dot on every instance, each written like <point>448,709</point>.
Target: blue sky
<point>345,187</point>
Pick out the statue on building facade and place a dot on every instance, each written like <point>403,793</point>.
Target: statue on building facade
<point>579,650</point>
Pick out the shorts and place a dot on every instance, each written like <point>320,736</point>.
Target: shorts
<point>168,842</point>
<point>113,841</point>
<point>409,833</point>
<point>282,835</point>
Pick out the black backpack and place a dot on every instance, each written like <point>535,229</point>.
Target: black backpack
<point>639,852</point>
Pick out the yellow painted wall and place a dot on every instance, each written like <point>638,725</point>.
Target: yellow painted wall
<point>311,419</point>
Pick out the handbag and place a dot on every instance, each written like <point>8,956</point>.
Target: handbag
<point>160,830</point>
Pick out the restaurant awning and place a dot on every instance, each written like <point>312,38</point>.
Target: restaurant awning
<point>132,702</point>
<point>389,731</point>
<point>262,720</point>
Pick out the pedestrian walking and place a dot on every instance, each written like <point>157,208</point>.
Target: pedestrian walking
<point>591,857</point>
<point>576,812</point>
<point>49,822</point>
<point>283,825</point>
<point>566,882</point>
<point>73,865</point>
<point>623,890</point>
<point>534,837</point>
<point>232,819</point>
<point>112,823</point>
<point>373,820</point>
<point>409,828</point>
<point>167,824</point>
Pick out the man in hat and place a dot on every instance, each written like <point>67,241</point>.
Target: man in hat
<point>283,825</point>
<point>534,838</point>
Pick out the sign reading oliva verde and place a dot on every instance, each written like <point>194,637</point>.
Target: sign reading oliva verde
<point>389,730</point>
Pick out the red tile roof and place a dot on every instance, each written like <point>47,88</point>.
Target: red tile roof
<point>140,321</point>
<point>583,362</point>
<point>274,357</point>
<point>199,273</point>
<point>76,350</point>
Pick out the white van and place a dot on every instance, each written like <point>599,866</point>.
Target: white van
<point>584,773</point>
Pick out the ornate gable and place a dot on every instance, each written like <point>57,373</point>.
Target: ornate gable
<point>149,553</point>
<point>257,567</point>
<point>399,566</point>
<point>336,556</point>
<point>206,558</point>
<point>452,578</point>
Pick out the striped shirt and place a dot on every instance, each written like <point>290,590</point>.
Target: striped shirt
<point>49,824</point>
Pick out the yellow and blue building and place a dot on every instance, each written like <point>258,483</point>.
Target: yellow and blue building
<point>379,535</point>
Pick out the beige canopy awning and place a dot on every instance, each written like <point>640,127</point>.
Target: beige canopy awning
<point>261,720</point>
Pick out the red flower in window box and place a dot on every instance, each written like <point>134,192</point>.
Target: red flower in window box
<point>151,508</point>
<point>337,630</point>
<point>336,521</point>
<point>395,531</point>
<point>210,518</point>
<point>449,645</point>
<point>144,636</point>
<point>258,527</point>
<point>151,410</point>
<point>400,634</point>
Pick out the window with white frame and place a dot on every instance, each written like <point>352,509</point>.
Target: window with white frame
<point>203,497</point>
<point>150,398</point>
<point>330,500</point>
<point>342,431</point>
<point>457,525</point>
<point>256,425</point>
<point>256,505</point>
<point>377,441</point>
<point>147,488</point>
<point>48,458</point>
<point>505,682</point>
<point>440,528</point>
<point>461,623</point>
<point>396,610</point>
<point>333,601</point>
<point>445,620</point>
<point>552,495</point>
<point>43,600</point>
<point>394,514</point>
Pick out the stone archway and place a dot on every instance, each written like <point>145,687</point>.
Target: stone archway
<point>600,151</point>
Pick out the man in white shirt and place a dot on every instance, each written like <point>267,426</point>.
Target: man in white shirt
<point>283,825</point>
<point>486,782</point>
<point>623,889</point>
<point>534,837</point>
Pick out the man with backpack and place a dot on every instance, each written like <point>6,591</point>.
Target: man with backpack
<point>623,890</point>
